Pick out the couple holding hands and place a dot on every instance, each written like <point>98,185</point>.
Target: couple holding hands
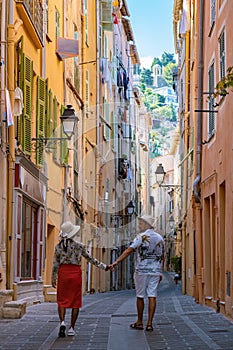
<point>67,274</point>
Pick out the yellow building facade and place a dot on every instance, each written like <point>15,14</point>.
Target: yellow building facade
<point>54,58</point>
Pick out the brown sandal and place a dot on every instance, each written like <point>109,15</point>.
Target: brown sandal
<point>137,326</point>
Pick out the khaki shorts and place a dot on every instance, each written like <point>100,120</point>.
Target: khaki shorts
<point>146,285</point>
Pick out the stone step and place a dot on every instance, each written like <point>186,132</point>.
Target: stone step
<point>14,309</point>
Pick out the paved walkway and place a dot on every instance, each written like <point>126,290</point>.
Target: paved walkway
<point>104,321</point>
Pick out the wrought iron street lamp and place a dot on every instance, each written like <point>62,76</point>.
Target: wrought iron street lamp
<point>171,222</point>
<point>159,176</point>
<point>68,120</point>
<point>130,210</point>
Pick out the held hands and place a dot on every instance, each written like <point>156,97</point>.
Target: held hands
<point>113,266</point>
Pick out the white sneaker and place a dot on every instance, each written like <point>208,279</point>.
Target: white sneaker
<point>62,330</point>
<point>71,331</point>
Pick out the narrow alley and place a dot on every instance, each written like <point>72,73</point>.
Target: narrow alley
<point>104,322</point>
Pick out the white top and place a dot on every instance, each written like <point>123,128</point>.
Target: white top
<point>149,246</point>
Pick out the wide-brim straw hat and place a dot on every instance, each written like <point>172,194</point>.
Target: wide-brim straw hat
<point>69,231</point>
<point>148,219</point>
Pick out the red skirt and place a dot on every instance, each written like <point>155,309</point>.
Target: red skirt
<point>69,286</point>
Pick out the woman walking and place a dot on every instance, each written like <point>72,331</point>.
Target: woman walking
<point>67,274</point>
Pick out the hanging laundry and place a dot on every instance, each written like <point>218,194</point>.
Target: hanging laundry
<point>9,115</point>
<point>105,70</point>
<point>115,19</point>
<point>185,19</point>
<point>125,84</point>
<point>129,175</point>
<point>18,105</point>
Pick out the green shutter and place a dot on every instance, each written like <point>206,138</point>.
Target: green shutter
<point>49,118</point>
<point>55,127</point>
<point>40,117</point>
<point>27,77</point>
<point>64,143</point>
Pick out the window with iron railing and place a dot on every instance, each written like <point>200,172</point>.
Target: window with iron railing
<point>35,13</point>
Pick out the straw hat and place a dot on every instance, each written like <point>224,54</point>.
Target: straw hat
<point>68,230</point>
<point>148,219</point>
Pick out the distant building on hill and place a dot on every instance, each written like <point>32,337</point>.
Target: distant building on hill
<point>161,87</point>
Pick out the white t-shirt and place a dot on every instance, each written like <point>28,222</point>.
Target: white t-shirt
<point>149,246</point>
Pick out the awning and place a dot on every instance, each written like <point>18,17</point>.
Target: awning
<point>67,48</point>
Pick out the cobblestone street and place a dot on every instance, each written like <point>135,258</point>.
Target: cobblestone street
<point>104,321</point>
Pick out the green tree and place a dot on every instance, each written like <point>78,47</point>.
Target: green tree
<point>168,73</point>
<point>159,100</point>
<point>165,113</point>
<point>146,77</point>
<point>156,60</point>
<point>156,143</point>
<point>142,87</point>
<point>167,58</point>
<point>148,98</point>
<point>226,84</point>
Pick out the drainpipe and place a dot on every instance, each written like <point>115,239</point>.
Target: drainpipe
<point>3,134</point>
<point>186,150</point>
<point>11,154</point>
<point>196,184</point>
<point>98,54</point>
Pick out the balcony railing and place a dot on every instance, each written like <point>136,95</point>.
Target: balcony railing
<point>35,13</point>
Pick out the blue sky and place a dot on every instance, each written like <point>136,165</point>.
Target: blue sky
<point>151,21</point>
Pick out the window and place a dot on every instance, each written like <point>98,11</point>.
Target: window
<point>212,12</point>
<point>29,241</point>
<point>57,23</point>
<point>211,129</point>
<point>76,66</point>
<point>86,20</point>
<point>222,54</point>
<point>47,16</point>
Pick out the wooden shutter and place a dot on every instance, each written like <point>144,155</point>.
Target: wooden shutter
<point>55,127</point>
<point>27,74</point>
<point>49,115</point>
<point>40,117</point>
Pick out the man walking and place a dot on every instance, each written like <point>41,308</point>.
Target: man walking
<point>149,246</point>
